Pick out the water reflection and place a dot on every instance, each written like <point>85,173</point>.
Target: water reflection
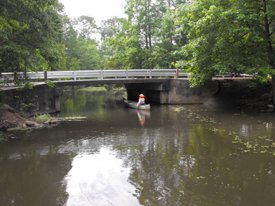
<point>181,155</point>
<point>33,180</point>
<point>99,179</point>
<point>90,101</point>
<point>142,116</point>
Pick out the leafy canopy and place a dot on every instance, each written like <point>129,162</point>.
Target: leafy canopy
<point>226,36</point>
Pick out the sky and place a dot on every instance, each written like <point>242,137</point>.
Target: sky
<point>99,9</point>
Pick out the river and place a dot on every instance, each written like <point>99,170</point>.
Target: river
<point>187,155</point>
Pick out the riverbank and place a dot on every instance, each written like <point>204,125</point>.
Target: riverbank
<point>13,120</point>
<point>10,119</point>
<point>27,115</point>
<point>242,95</point>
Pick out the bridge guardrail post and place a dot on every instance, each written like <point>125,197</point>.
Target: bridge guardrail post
<point>15,77</point>
<point>101,74</point>
<point>45,76</point>
<point>74,76</point>
<point>177,74</point>
<point>150,74</point>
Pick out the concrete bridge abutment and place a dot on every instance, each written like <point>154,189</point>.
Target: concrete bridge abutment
<point>39,99</point>
<point>42,98</point>
<point>173,91</point>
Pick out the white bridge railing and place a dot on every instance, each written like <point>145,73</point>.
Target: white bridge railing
<point>93,74</point>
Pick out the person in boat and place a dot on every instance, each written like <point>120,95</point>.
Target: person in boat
<point>141,100</point>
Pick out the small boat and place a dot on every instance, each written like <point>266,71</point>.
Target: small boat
<point>133,105</point>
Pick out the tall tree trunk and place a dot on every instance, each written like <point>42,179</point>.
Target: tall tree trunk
<point>269,47</point>
<point>267,34</point>
<point>150,35</point>
<point>273,91</point>
<point>146,41</point>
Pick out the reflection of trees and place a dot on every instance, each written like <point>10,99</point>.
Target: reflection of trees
<point>206,170</point>
<point>158,167</point>
<point>74,106</point>
<point>173,160</point>
<point>75,102</point>
<point>34,180</point>
<point>225,176</point>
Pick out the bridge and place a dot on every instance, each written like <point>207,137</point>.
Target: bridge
<point>84,77</point>
<point>163,86</point>
<point>91,75</point>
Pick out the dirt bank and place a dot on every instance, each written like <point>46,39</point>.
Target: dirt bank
<point>12,120</point>
<point>9,119</point>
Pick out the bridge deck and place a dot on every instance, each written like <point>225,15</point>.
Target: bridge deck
<point>93,74</point>
<point>92,77</point>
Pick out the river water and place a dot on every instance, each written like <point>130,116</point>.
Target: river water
<point>187,155</point>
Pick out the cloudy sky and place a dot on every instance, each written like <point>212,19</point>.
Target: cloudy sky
<point>99,9</point>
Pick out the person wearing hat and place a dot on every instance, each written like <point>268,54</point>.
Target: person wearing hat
<point>141,100</point>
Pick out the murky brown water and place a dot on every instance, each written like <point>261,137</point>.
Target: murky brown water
<point>172,155</point>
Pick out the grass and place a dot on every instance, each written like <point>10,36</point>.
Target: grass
<point>103,89</point>
<point>94,89</point>
<point>76,118</point>
<point>42,118</point>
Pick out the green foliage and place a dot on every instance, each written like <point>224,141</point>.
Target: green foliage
<point>225,37</point>
<point>87,26</point>
<point>81,51</point>
<point>28,85</point>
<point>50,84</point>
<point>30,33</point>
<point>124,49</point>
<point>90,57</point>
<point>94,89</point>
<point>147,39</point>
<point>205,37</point>
<point>42,118</point>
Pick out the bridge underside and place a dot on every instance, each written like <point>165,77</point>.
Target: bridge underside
<point>108,81</point>
<point>172,91</point>
<point>152,91</point>
<point>158,91</point>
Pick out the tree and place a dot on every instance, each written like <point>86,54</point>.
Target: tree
<point>81,50</point>
<point>89,56</point>
<point>227,37</point>
<point>111,27</point>
<point>168,41</point>
<point>31,37</point>
<point>123,50</point>
<point>151,26</point>
<point>86,26</point>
